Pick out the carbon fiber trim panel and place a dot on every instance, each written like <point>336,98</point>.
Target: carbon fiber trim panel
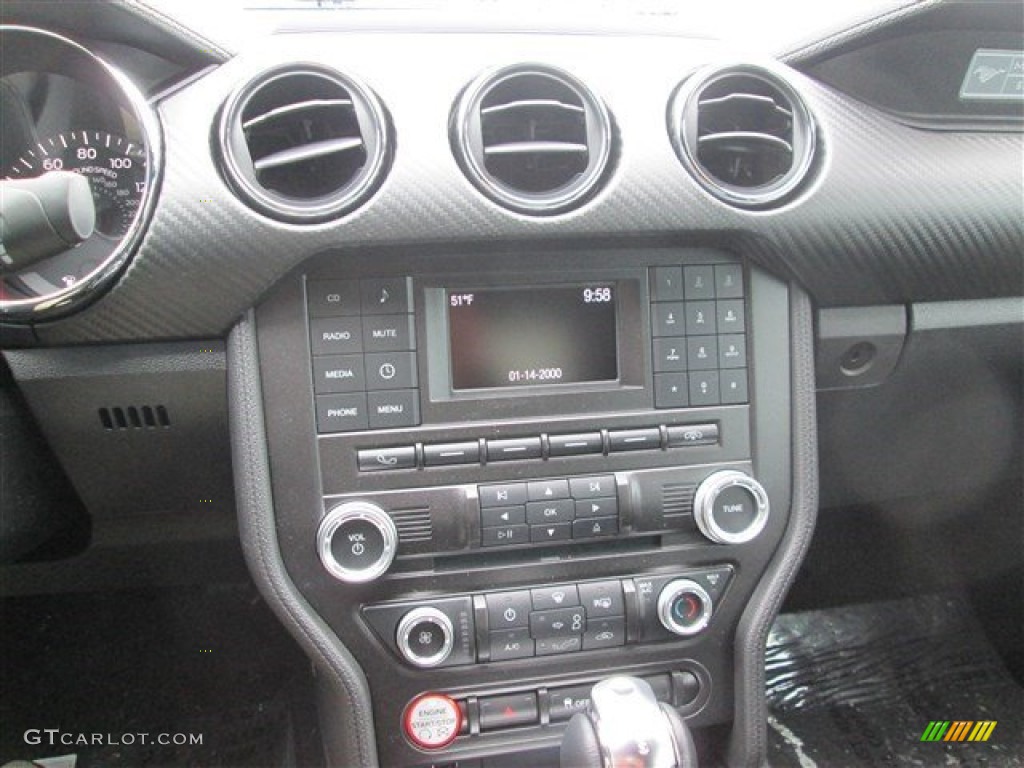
<point>894,214</point>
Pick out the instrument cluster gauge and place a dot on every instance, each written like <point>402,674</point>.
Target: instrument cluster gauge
<point>68,114</point>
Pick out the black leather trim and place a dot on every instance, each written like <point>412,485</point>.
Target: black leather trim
<point>351,729</point>
<point>748,741</point>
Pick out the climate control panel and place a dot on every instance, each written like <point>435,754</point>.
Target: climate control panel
<point>550,620</point>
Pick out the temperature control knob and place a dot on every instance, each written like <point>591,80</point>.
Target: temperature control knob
<point>425,636</point>
<point>357,541</point>
<point>684,607</point>
<point>730,507</point>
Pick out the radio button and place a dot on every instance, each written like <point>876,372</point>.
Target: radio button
<point>605,633</point>
<point>332,298</point>
<point>443,454</point>
<point>554,597</point>
<point>498,517</point>
<point>575,445</point>
<point>391,370</point>
<point>336,335</point>
<point>728,281</point>
<point>671,390</point>
<point>597,507</point>
<point>592,487</point>
<point>511,644</point>
<point>701,353</point>
<point>541,534</point>
<point>563,622</point>
<point>506,494</point>
<point>379,459</point>
<point>508,610</point>
<point>704,388</point>
<point>670,354</point>
<point>548,512</point>
<point>513,449</point>
<point>634,439</point>
<point>550,646</point>
<point>602,598</point>
<point>668,319</point>
<point>386,296</point>
<point>594,527</point>
<point>388,333</point>
<point>541,490</point>
<point>667,283</point>
<point>505,536</point>
<point>393,408</point>
<point>699,283</point>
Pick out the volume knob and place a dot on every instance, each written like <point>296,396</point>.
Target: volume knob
<point>730,507</point>
<point>357,541</point>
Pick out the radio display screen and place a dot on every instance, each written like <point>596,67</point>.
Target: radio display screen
<point>529,336</point>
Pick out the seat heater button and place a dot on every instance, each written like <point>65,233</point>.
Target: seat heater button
<point>432,721</point>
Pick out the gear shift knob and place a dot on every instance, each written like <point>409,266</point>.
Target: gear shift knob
<point>626,727</point>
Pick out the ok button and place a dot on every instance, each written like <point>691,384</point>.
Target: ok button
<point>554,511</point>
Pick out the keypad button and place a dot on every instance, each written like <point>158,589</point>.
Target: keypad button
<point>602,598</point>
<point>391,370</point>
<point>704,388</point>
<point>388,333</point>
<point>734,386</point>
<point>728,281</point>
<point>670,354</point>
<point>341,413</point>
<point>547,598</point>
<point>542,534</point>
<point>561,622</point>
<point>702,353</point>
<point>332,298</point>
<point>393,408</point>
<point>498,517</point>
<point>575,445</point>
<point>732,351</point>
<point>549,512</point>
<point>731,316</point>
<point>386,296</point>
<point>667,283</point>
<point>597,507</point>
<point>336,335</point>
<point>671,390</point>
<point>508,610</point>
<point>698,283</point>
<point>338,373</point>
<point>668,319</point>
<point>592,487</point>
<point>510,644</point>
<point>505,536</point>
<point>502,495</point>
<point>701,318</point>
<point>540,490</point>
<point>595,527</point>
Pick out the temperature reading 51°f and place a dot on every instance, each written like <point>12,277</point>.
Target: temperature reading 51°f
<point>460,299</point>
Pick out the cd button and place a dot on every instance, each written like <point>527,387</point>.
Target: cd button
<point>441,454</point>
<point>513,449</point>
<point>503,495</point>
<point>394,370</point>
<point>378,459</point>
<point>597,507</point>
<point>540,490</point>
<point>575,445</point>
<point>332,298</point>
<point>592,487</point>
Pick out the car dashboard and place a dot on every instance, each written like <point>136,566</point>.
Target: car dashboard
<point>514,359</point>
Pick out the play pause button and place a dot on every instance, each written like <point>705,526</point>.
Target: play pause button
<point>597,508</point>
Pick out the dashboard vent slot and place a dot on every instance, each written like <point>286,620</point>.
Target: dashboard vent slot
<point>304,144</point>
<point>119,418</point>
<point>413,525</point>
<point>532,138</point>
<point>744,133</point>
<point>677,502</point>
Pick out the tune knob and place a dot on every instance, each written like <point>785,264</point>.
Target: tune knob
<point>425,636</point>
<point>684,607</point>
<point>730,507</point>
<point>357,541</point>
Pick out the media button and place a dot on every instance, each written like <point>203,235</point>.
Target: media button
<point>513,449</point>
<point>505,536</point>
<point>575,445</point>
<point>503,495</point>
<point>393,408</point>
<point>548,512</point>
<point>597,507</point>
<point>379,459</point>
<point>338,373</point>
<point>542,490</point>
<point>442,454</point>
<point>391,370</point>
<point>543,534</point>
<point>497,517</point>
<point>592,487</point>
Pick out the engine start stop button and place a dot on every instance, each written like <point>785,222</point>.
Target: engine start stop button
<point>432,721</point>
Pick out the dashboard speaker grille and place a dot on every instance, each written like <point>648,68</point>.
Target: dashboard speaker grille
<point>304,143</point>
<point>744,133</point>
<point>532,138</point>
<point>119,418</point>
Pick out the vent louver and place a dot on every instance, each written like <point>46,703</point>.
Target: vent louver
<point>744,133</point>
<point>532,138</point>
<point>304,143</point>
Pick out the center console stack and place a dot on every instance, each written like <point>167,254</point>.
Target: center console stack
<point>499,477</point>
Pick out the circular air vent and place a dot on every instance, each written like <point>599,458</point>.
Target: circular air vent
<point>743,132</point>
<point>532,138</point>
<point>304,143</point>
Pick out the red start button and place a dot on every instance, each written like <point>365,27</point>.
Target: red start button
<point>432,721</point>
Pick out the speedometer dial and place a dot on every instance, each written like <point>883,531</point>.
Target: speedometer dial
<point>115,167</point>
